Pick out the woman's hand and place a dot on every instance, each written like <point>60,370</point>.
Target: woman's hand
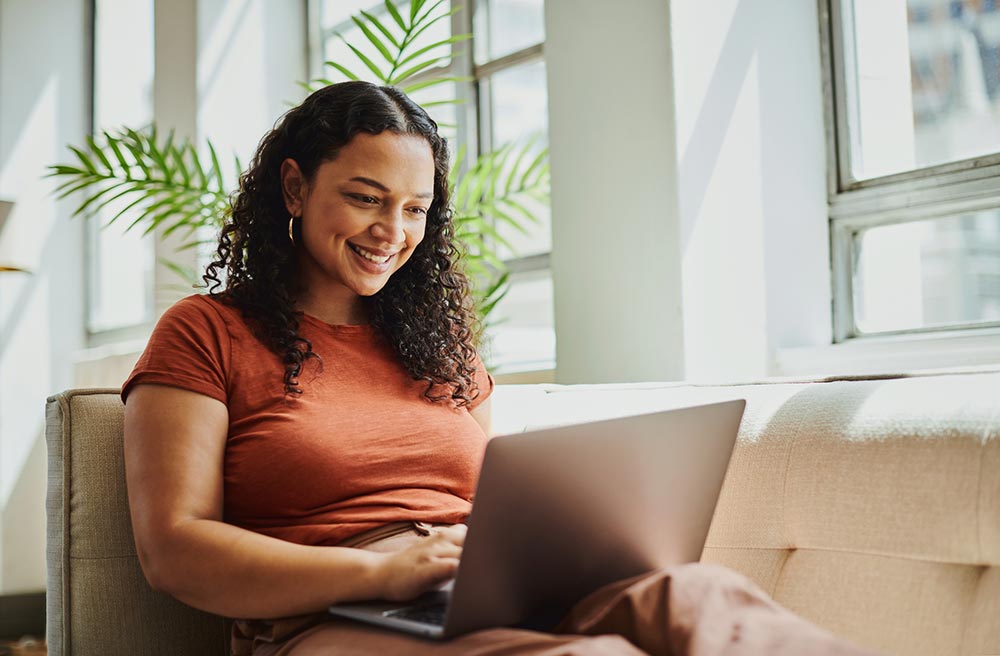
<point>427,563</point>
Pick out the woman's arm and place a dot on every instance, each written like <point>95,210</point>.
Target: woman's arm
<point>174,447</point>
<point>482,413</point>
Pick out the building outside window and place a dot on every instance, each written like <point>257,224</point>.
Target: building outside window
<point>505,102</point>
<point>914,122</point>
<point>120,264</point>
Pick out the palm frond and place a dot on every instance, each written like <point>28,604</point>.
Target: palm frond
<point>175,186</point>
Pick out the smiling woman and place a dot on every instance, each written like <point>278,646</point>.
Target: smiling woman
<point>329,387</point>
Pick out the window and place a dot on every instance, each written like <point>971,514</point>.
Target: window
<point>915,164</point>
<point>506,102</point>
<point>120,265</point>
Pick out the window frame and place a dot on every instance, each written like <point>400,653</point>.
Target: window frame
<point>956,187</point>
<point>92,225</point>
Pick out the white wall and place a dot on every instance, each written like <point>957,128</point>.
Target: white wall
<point>752,181</point>
<point>688,187</point>
<point>43,100</point>
<point>226,69</point>
<point>616,244</point>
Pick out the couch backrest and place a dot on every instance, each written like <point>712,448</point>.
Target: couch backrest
<point>871,507</point>
<point>98,601</point>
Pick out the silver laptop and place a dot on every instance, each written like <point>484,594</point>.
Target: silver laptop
<point>561,512</point>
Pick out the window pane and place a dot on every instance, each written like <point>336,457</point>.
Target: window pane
<point>506,26</point>
<point>930,273</point>
<point>335,18</point>
<point>520,113</point>
<point>522,335</point>
<point>120,266</point>
<point>923,82</point>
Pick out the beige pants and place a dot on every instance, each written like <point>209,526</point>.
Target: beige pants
<point>693,609</point>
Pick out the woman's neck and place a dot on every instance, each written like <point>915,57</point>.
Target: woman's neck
<point>336,311</point>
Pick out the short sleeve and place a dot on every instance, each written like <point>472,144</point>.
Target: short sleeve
<point>485,382</point>
<point>190,348</point>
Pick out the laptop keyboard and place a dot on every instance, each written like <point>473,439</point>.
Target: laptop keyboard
<point>424,613</point>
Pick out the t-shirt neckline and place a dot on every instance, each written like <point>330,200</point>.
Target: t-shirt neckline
<point>341,328</point>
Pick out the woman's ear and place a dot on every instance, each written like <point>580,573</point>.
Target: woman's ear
<point>293,187</point>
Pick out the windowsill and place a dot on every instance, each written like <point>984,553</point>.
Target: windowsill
<point>107,365</point>
<point>893,354</point>
<point>526,377</point>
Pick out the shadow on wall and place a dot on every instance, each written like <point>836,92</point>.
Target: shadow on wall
<point>22,525</point>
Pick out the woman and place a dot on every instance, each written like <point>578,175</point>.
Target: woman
<point>312,433</point>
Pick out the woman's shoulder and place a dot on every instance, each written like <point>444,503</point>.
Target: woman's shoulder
<point>205,309</point>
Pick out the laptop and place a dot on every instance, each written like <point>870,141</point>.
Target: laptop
<point>561,512</point>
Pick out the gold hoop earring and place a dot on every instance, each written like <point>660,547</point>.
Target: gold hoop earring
<point>291,229</point>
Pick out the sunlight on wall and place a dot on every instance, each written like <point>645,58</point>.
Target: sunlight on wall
<point>723,257</point>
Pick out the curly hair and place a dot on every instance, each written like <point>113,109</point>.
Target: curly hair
<point>424,311</point>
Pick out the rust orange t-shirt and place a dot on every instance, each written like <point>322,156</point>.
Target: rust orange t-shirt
<point>361,447</point>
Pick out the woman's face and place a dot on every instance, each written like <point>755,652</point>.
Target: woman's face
<point>363,213</point>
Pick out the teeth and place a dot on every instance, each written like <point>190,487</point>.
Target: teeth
<point>370,256</point>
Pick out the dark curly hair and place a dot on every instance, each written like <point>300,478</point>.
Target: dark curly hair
<point>425,309</point>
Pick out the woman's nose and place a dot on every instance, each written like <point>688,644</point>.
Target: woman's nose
<point>389,227</point>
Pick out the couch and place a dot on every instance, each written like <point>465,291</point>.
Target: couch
<point>870,506</point>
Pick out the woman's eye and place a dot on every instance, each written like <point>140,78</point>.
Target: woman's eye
<point>367,200</point>
<point>419,210</point>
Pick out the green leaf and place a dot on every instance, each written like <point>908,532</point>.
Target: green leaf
<point>528,214</point>
<point>148,212</point>
<point>445,42</point>
<point>511,221</point>
<point>399,79</point>
<point>429,83</point>
<point>196,163</point>
<point>534,164</point>
<point>110,199</point>
<point>380,26</point>
<point>216,169</point>
<point>94,148</point>
<point>133,143</point>
<point>193,244</point>
<point>84,159</point>
<point>161,215</point>
<point>87,203</point>
<point>391,8</point>
<point>364,59</point>
<point>239,169</point>
<point>75,185</point>
<point>113,144</point>
<point>374,40</point>
<point>420,19</point>
<point>416,31</point>
<point>415,6</point>
<point>486,229</point>
<point>125,210</point>
<point>435,103</point>
<point>179,164</point>
<point>509,185</point>
<point>62,169</point>
<point>187,273</point>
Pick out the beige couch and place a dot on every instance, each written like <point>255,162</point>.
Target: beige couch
<point>871,507</point>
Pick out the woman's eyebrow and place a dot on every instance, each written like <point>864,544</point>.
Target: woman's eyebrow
<point>381,187</point>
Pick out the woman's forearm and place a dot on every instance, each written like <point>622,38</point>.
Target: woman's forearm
<point>230,571</point>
